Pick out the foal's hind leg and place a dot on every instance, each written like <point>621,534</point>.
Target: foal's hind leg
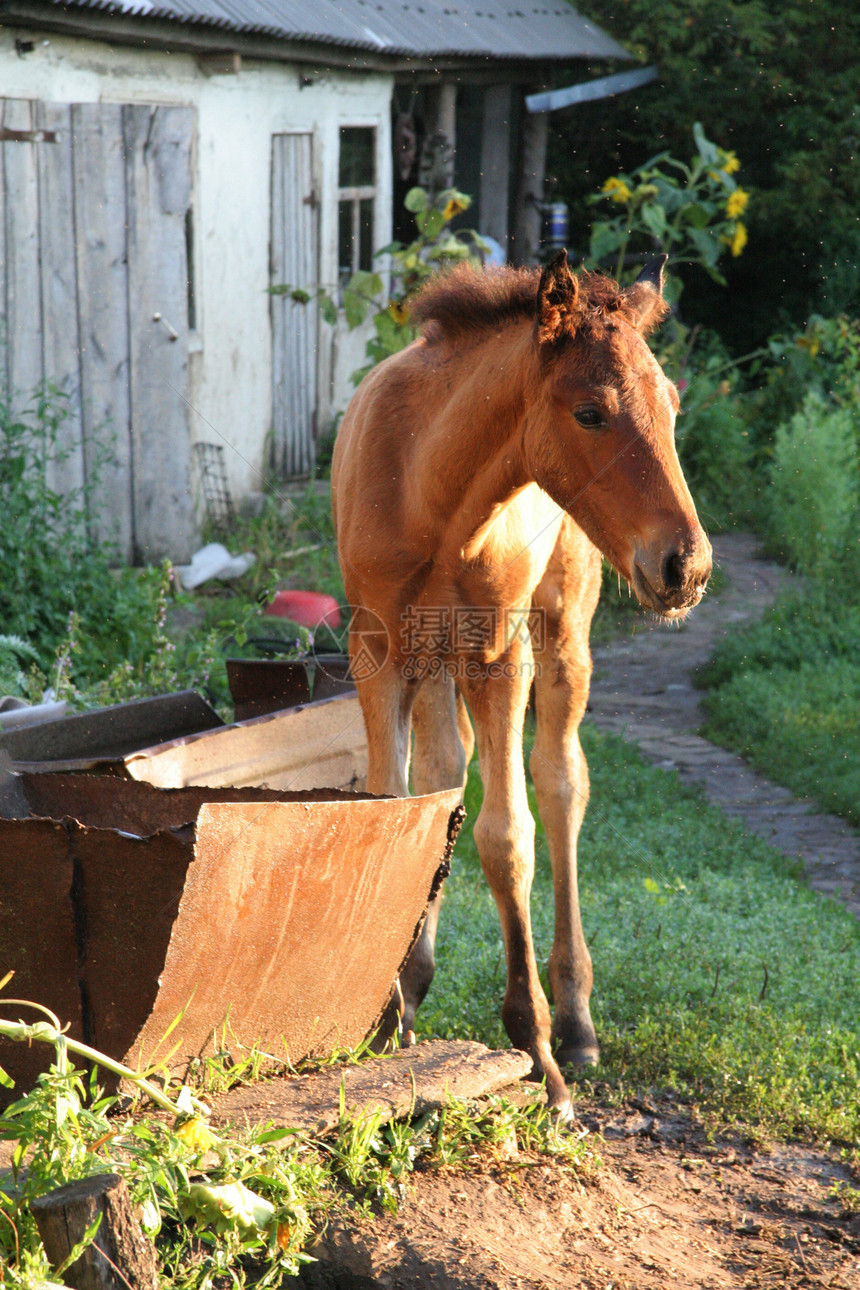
<point>504,833</point>
<point>438,762</point>
<point>386,703</point>
<point>567,597</point>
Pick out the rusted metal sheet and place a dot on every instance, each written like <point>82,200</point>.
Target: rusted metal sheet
<point>290,914</point>
<point>177,740</point>
<point>319,745</point>
<point>108,734</point>
<point>37,933</point>
<point>258,686</point>
<point>261,685</point>
<point>296,918</point>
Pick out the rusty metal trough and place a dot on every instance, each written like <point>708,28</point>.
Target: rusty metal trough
<point>286,913</point>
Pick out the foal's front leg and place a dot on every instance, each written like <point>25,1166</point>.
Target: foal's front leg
<point>504,833</point>
<point>566,598</point>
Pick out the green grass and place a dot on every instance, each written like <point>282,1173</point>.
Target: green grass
<point>718,973</point>
<point>800,726</point>
<point>785,694</point>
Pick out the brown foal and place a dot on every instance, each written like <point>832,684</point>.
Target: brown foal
<point>477,477</point>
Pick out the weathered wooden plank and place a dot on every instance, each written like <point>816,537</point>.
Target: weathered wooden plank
<point>102,278</point>
<point>525,241</point>
<point>4,365</point>
<point>278,309</point>
<point>496,163</point>
<point>294,258</point>
<point>60,343</point>
<point>23,293</point>
<point>158,144</point>
<point>307,321</point>
<point>411,1083</point>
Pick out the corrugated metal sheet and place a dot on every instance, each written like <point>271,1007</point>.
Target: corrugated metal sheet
<point>518,29</point>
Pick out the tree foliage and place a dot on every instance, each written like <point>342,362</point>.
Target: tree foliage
<point>778,84</point>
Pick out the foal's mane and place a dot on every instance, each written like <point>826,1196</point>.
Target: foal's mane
<point>466,300</point>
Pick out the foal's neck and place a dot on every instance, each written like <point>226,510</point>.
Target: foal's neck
<point>471,463</point>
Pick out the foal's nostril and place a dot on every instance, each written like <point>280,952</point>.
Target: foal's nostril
<point>673,572</point>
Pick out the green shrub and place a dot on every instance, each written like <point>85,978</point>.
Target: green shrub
<point>713,434</point>
<point>814,500</point>
<point>62,592</point>
<point>797,629</point>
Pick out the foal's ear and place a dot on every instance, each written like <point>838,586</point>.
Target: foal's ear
<point>557,301</point>
<point>645,297</point>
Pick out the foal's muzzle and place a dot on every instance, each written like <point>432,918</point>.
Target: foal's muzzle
<point>672,582</point>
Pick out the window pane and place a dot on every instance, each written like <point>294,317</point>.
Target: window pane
<point>357,156</point>
<point>344,240</point>
<point>365,234</point>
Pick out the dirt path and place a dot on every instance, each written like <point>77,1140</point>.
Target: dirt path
<point>665,1207</point>
<point>642,689</point>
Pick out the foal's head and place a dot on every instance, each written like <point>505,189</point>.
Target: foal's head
<point>599,436</point>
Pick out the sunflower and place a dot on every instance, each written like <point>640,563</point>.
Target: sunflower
<point>398,311</point>
<point>737,203</point>
<point>453,207</point>
<point>616,190</point>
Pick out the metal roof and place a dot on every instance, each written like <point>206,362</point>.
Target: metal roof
<point>518,29</point>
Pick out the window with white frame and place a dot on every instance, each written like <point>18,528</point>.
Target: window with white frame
<point>356,199</point>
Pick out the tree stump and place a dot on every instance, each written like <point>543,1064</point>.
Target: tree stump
<point>119,1257</point>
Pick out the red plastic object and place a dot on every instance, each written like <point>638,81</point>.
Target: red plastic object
<point>307,608</point>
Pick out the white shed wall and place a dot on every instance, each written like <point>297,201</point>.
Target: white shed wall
<point>231,360</point>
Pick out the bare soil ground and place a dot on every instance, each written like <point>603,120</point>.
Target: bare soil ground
<point>667,1207</point>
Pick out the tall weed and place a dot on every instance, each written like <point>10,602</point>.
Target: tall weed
<point>815,490</point>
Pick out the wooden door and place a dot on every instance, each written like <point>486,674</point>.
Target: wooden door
<point>294,259</point>
<point>93,202</point>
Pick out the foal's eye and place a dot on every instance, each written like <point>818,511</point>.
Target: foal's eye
<point>590,417</point>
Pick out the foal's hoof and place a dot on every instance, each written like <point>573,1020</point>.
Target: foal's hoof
<point>562,1110</point>
<point>558,1096</point>
<point>385,1038</point>
<point>578,1055</point>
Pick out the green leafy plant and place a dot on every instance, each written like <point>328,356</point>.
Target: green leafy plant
<point>64,593</point>
<point>436,246</point>
<point>822,359</point>
<point>691,211</point>
<point>14,654</point>
<point>814,499</point>
<point>233,1207</point>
